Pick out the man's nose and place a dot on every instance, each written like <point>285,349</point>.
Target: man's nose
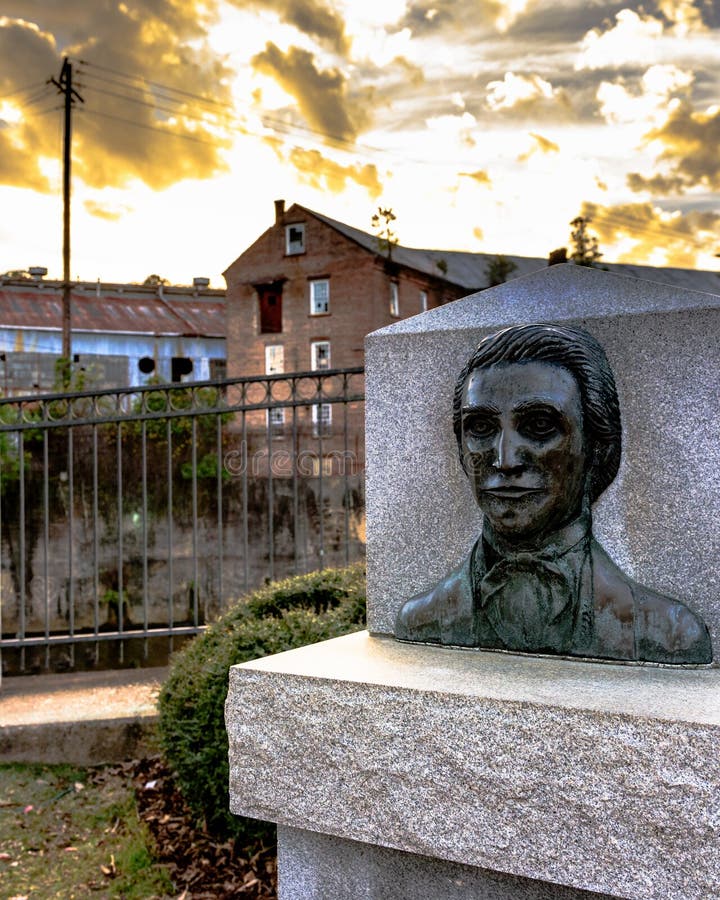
<point>507,450</point>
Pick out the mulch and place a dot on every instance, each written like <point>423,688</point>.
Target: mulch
<point>200,867</point>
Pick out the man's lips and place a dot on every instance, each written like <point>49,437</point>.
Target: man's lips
<point>511,491</point>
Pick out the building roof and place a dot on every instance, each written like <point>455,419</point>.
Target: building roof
<point>468,269</point>
<point>125,309</point>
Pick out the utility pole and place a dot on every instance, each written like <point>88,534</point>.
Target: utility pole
<point>64,85</point>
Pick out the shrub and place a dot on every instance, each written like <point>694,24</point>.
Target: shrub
<point>280,616</point>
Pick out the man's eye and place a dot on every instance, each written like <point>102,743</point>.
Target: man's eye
<point>539,426</point>
<point>478,427</point>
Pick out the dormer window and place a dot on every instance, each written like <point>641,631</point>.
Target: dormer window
<point>294,239</point>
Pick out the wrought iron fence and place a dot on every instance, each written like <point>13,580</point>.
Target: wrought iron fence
<point>129,518</point>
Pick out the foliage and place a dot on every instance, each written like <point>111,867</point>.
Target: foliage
<point>585,246</point>
<point>280,616</point>
<point>69,832</point>
<point>382,224</point>
<point>497,270</point>
<point>154,280</point>
<point>68,377</point>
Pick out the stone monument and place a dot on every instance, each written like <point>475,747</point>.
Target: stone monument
<point>412,770</point>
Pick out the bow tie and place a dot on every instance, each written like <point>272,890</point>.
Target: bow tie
<point>530,599</point>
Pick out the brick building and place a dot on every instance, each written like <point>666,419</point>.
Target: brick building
<point>306,293</point>
<point>303,297</point>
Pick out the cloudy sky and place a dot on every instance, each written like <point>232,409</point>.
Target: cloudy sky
<point>486,125</point>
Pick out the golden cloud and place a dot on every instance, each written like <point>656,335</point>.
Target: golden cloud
<point>541,145</point>
<point>321,173</point>
<point>325,174</point>
<point>127,127</point>
<point>660,185</point>
<point>432,16</point>
<point>312,17</point>
<point>413,73</point>
<point>684,15</point>
<point>321,95</point>
<point>677,238</point>
<point>690,140</point>
<point>481,176</point>
<point>521,97</point>
<point>28,132</point>
<point>104,211</point>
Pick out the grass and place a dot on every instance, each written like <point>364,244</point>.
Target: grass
<point>74,833</point>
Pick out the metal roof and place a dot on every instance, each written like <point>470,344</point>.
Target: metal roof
<point>468,269</point>
<point>126,309</point>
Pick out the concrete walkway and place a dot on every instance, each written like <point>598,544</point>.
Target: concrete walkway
<point>82,718</point>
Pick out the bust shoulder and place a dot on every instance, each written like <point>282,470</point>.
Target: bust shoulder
<point>443,614</point>
<point>662,629</point>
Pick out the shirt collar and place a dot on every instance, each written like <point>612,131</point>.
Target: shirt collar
<point>555,545</point>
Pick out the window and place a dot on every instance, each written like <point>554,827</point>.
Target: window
<point>274,359</point>
<point>324,466</point>
<point>319,297</point>
<point>270,298</point>
<point>179,367</point>
<point>294,239</point>
<point>276,421</point>
<point>394,299</point>
<point>218,369</point>
<point>322,419</point>
<point>320,355</point>
<point>321,412</point>
<point>423,301</point>
<point>275,365</point>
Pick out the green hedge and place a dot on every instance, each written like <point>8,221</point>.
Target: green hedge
<point>280,616</point>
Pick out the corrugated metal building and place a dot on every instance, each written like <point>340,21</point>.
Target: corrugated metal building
<point>122,334</point>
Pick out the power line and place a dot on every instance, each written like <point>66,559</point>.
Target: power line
<point>44,92</point>
<point>225,109</point>
<point>177,111</point>
<point>31,86</point>
<point>163,131</point>
<point>157,84</point>
<point>274,123</point>
<point>37,113</point>
<point>649,230</point>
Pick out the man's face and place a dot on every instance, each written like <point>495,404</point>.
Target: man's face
<point>523,448</point>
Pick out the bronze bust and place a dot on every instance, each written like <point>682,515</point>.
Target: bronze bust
<point>537,422</point>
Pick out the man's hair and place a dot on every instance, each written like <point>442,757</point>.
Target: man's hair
<point>582,356</point>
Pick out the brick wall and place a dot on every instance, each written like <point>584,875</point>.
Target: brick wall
<point>360,295</point>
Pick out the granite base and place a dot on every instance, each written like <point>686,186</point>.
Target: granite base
<point>593,776</point>
<point>315,866</point>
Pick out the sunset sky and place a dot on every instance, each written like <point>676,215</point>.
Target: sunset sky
<point>487,125</point>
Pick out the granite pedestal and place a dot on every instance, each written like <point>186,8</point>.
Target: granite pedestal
<point>590,776</point>
<point>416,771</point>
